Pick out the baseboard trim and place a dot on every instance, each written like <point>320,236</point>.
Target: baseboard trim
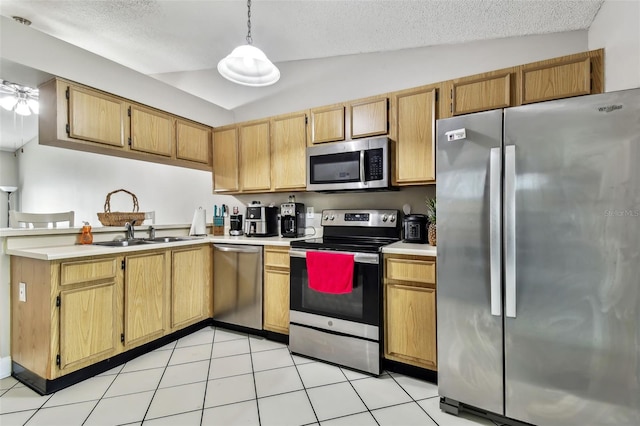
<point>5,367</point>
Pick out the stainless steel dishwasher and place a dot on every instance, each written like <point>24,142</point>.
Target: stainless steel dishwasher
<point>237,285</point>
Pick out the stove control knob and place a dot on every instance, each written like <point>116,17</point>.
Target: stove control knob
<point>332,217</point>
<point>384,217</point>
<point>326,217</point>
<point>392,218</point>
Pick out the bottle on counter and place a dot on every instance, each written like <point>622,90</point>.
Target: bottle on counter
<point>86,237</point>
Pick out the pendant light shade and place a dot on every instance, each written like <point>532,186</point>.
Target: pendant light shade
<point>248,65</point>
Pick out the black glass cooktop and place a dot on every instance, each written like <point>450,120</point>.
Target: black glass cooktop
<point>352,244</point>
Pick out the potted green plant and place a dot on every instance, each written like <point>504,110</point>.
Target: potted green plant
<point>431,216</point>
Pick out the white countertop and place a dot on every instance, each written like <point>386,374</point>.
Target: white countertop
<point>76,251</point>
<point>410,248</point>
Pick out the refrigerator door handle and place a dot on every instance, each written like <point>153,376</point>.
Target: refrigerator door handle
<point>510,230</point>
<point>495,174</point>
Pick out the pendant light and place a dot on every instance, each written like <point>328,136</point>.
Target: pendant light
<point>248,65</point>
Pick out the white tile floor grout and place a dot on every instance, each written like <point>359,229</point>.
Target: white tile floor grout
<point>220,377</point>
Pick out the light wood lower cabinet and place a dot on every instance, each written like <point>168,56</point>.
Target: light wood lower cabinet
<point>276,289</point>
<point>145,297</point>
<point>410,310</point>
<point>190,285</point>
<point>82,311</point>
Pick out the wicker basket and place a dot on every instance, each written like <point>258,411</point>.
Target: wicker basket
<point>109,218</point>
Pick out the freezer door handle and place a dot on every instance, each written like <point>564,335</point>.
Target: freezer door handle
<point>510,230</point>
<point>495,174</point>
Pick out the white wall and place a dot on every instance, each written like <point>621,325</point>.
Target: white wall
<point>311,83</point>
<point>55,179</point>
<point>616,28</point>
<point>8,177</point>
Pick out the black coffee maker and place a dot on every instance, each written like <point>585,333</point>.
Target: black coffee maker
<point>292,220</point>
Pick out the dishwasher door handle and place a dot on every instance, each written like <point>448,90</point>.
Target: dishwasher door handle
<point>236,249</point>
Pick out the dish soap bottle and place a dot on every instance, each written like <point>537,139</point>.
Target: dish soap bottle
<point>86,237</point>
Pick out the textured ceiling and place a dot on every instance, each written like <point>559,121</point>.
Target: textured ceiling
<point>176,41</point>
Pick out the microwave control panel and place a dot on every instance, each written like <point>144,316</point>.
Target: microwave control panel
<point>374,164</point>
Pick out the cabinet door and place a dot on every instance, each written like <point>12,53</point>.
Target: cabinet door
<point>225,160</point>
<point>289,152</point>
<point>276,300</point>
<point>410,325</point>
<point>87,323</point>
<point>151,131</point>
<point>190,281</point>
<point>415,138</point>
<point>482,93</point>
<point>255,160</point>
<point>192,141</point>
<point>327,124</point>
<point>144,297</point>
<point>555,80</point>
<point>96,117</point>
<point>369,118</point>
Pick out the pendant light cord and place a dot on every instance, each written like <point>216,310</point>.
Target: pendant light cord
<point>249,39</point>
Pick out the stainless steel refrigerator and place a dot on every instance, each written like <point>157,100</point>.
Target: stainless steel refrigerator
<point>538,264</point>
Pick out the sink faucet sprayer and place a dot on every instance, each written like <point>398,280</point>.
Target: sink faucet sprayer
<point>152,232</point>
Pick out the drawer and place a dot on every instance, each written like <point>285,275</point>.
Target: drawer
<point>88,270</point>
<point>276,256</point>
<point>407,269</point>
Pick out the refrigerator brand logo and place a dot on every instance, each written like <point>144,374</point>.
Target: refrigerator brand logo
<point>622,213</point>
<point>609,108</point>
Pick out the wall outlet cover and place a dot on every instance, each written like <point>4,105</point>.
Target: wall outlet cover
<point>310,213</point>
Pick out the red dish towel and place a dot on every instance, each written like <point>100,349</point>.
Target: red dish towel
<point>330,272</point>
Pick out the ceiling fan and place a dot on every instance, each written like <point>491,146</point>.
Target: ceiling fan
<point>20,99</point>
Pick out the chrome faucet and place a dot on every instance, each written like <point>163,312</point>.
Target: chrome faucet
<point>130,231</point>
<point>152,232</point>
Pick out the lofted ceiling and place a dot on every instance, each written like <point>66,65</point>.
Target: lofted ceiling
<point>181,41</point>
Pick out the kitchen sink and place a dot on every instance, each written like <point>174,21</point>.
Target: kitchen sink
<point>122,243</point>
<point>167,239</point>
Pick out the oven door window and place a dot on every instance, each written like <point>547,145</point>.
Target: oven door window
<point>361,305</point>
<point>335,168</point>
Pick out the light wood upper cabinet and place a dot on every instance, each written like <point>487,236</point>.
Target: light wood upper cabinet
<point>255,159</point>
<point>483,92</point>
<point>192,141</point>
<point>190,283</point>
<point>413,130</point>
<point>289,152</point>
<point>145,298</point>
<point>225,160</point>
<point>410,310</point>
<point>327,124</point>
<point>369,118</point>
<point>151,131</point>
<point>95,116</point>
<point>276,289</point>
<point>573,75</point>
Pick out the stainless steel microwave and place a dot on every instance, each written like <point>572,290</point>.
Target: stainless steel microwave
<point>356,165</point>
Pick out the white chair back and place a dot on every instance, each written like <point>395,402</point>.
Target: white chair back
<point>40,220</point>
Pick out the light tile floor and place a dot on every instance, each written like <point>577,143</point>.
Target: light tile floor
<point>219,377</point>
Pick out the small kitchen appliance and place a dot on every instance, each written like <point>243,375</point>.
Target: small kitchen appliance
<point>261,220</point>
<point>292,220</point>
<point>414,228</point>
<point>235,224</point>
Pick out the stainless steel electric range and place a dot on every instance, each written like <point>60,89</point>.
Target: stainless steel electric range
<point>343,328</point>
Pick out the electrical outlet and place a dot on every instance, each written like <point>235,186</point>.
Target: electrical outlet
<point>309,212</point>
<point>22,292</point>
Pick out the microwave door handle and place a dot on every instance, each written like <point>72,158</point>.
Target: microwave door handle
<point>362,177</point>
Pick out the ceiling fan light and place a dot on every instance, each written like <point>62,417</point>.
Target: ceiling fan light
<point>22,108</point>
<point>249,66</point>
<point>8,102</point>
<point>34,105</point>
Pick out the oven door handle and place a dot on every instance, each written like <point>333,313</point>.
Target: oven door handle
<point>372,258</point>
